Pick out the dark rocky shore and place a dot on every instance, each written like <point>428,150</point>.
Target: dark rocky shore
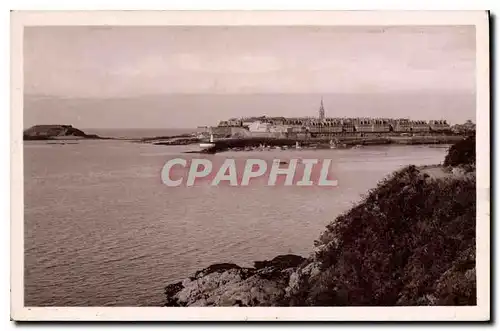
<point>410,241</point>
<point>228,284</point>
<point>236,144</point>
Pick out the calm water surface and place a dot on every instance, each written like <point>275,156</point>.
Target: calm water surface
<point>102,230</point>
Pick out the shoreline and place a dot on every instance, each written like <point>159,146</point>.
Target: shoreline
<point>242,145</point>
<point>67,132</point>
<point>339,143</point>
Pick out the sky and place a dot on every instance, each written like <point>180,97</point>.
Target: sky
<point>189,76</point>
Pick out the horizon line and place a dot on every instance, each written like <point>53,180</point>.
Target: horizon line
<point>401,92</point>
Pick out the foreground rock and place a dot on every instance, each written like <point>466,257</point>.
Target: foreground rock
<point>230,285</point>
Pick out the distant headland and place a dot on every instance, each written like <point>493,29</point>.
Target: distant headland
<point>56,132</point>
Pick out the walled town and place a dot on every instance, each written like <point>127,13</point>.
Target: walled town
<point>327,127</point>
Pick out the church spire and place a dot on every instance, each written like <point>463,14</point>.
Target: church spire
<point>321,111</point>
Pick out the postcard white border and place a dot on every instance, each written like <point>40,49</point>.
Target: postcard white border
<point>479,19</point>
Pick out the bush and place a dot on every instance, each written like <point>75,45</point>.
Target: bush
<point>462,153</point>
<point>402,245</point>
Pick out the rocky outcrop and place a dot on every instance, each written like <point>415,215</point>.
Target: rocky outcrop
<point>231,285</point>
<point>48,132</point>
<point>178,141</point>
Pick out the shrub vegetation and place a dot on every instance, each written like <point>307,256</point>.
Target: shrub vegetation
<point>411,241</point>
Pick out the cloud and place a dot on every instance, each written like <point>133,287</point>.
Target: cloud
<point>226,64</point>
<point>135,61</point>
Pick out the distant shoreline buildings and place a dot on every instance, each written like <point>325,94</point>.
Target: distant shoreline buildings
<point>322,127</point>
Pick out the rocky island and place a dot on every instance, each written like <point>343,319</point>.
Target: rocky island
<point>420,253</point>
<point>56,132</point>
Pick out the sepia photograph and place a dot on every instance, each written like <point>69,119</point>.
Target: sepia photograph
<point>337,161</point>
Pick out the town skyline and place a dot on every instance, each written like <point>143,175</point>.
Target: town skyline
<point>193,110</point>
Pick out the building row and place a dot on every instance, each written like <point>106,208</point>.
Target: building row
<point>326,126</point>
<point>335,125</point>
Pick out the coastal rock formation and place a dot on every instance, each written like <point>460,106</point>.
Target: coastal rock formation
<point>230,285</point>
<point>181,139</point>
<point>178,141</point>
<point>410,241</point>
<point>47,132</point>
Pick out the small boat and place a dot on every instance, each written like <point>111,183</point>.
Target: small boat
<point>209,144</point>
<point>333,144</point>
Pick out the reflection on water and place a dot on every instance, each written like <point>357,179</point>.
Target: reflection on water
<point>102,229</point>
